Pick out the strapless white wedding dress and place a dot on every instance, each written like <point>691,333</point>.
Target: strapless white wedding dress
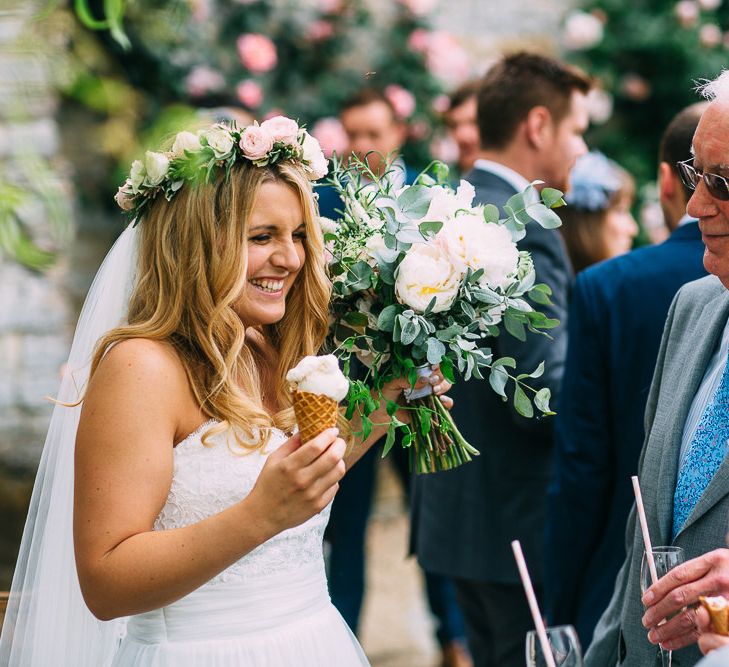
<point>269,609</point>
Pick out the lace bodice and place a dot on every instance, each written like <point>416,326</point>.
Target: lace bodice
<point>208,479</point>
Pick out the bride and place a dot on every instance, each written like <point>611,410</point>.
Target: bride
<point>185,526</point>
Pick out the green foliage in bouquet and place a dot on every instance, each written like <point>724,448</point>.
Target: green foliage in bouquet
<point>422,277</point>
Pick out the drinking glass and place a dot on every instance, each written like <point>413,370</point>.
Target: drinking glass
<point>564,643</point>
<point>665,558</point>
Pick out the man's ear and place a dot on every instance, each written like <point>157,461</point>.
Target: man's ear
<point>668,181</point>
<point>538,126</point>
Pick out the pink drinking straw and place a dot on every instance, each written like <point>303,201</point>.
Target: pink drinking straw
<point>644,528</point>
<point>533,605</point>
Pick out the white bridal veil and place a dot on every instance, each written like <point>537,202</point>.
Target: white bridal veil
<point>47,621</point>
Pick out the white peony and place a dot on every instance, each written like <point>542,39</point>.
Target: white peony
<point>219,140</point>
<point>156,165</point>
<point>426,272</point>
<point>136,175</point>
<point>185,141</point>
<point>472,243</point>
<point>313,154</point>
<point>445,203</point>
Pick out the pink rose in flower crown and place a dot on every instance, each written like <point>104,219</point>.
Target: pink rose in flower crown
<point>318,31</point>
<point>402,100</point>
<point>249,93</point>
<point>329,132</point>
<point>202,80</point>
<point>282,129</point>
<point>123,198</point>
<point>257,52</point>
<point>255,142</point>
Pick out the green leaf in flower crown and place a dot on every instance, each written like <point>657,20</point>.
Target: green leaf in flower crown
<point>491,213</point>
<point>386,319</point>
<point>415,201</point>
<point>522,403</point>
<point>436,350</point>
<point>552,198</point>
<point>498,379</point>
<point>541,400</point>
<point>429,229</point>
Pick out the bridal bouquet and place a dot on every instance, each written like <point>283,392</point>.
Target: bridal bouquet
<point>422,276</point>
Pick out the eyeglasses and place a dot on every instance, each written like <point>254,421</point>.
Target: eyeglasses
<point>718,186</point>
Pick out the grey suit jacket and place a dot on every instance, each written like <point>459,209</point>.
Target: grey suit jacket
<point>464,519</point>
<point>693,329</point>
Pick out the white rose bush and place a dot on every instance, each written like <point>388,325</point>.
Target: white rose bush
<point>423,277</point>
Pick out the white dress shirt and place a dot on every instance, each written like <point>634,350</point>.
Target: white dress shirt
<point>513,178</point>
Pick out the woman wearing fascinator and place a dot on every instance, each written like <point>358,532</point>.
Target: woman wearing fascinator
<point>597,223</point>
<point>174,520</point>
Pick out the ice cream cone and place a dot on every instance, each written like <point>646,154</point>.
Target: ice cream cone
<point>718,609</point>
<point>314,413</point>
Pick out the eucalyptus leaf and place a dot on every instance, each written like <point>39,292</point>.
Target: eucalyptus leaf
<point>410,332</point>
<point>436,350</point>
<point>491,213</point>
<point>552,198</point>
<point>541,400</point>
<point>522,403</point>
<point>498,379</point>
<point>386,319</point>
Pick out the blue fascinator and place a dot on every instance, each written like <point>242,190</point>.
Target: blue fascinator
<point>593,181</point>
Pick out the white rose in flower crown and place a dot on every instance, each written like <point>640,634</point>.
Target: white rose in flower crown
<point>472,243</point>
<point>136,175</point>
<point>255,142</point>
<point>282,129</point>
<point>313,154</point>
<point>446,203</point>
<point>156,165</point>
<point>185,141</point>
<point>220,141</point>
<point>426,272</point>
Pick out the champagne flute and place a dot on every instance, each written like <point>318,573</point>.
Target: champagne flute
<point>665,558</point>
<point>564,643</point>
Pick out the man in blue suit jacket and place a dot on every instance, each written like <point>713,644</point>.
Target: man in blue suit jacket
<point>615,324</point>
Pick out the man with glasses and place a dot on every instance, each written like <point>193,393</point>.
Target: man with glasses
<point>684,472</point>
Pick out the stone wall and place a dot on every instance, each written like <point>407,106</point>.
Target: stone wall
<point>35,310</point>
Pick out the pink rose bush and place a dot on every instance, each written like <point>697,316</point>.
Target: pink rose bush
<point>330,134</point>
<point>257,53</point>
<point>403,101</point>
<point>249,93</point>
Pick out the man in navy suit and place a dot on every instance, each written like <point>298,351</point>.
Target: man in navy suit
<point>616,319</point>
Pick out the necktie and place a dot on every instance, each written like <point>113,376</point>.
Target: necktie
<point>706,452</point>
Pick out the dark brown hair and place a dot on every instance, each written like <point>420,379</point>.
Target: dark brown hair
<point>517,84</point>
<point>463,93</point>
<point>676,141</point>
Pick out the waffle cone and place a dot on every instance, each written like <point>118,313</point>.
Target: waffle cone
<point>314,413</point>
<point>718,609</point>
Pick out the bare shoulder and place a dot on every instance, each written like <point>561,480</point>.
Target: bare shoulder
<point>139,380</point>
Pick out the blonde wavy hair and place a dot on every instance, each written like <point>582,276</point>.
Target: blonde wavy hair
<point>192,268</point>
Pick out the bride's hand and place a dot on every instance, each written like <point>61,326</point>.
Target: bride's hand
<point>393,389</point>
<point>299,480</point>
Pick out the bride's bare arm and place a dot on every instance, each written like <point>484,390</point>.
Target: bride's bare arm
<point>123,472</point>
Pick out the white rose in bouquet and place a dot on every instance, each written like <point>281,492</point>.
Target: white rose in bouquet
<point>156,165</point>
<point>426,272</point>
<point>445,203</point>
<point>472,243</point>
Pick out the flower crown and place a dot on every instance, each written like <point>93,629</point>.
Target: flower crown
<point>195,156</point>
<point>593,181</point>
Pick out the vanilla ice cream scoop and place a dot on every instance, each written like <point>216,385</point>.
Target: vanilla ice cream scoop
<point>319,375</point>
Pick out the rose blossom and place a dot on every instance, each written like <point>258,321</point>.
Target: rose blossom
<point>219,140</point>
<point>472,243</point>
<point>426,272</point>
<point>330,134</point>
<point>156,165</point>
<point>446,59</point>
<point>582,31</point>
<point>403,101</point>
<point>710,35</point>
<point>635,87</point>
<point>687,12</point>
<point>255,142</point>
<point>202,80</point>
<point>318,31</point>
<point>136,175</point>
<point>599,105</point>
<point>249,93</point>
<point>330,6</point>
<point>124,198</point>
<point>257,52</point>
<point>441,103</point>
<point>445,149</point>
<point>185,141</point>
<point>282,129</point>
<point>418,40</point>
<point>313,154</point>
<point>710,5</point>
<point>419,7</point>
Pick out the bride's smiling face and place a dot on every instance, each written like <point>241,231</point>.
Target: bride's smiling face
<point>276,254</point>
